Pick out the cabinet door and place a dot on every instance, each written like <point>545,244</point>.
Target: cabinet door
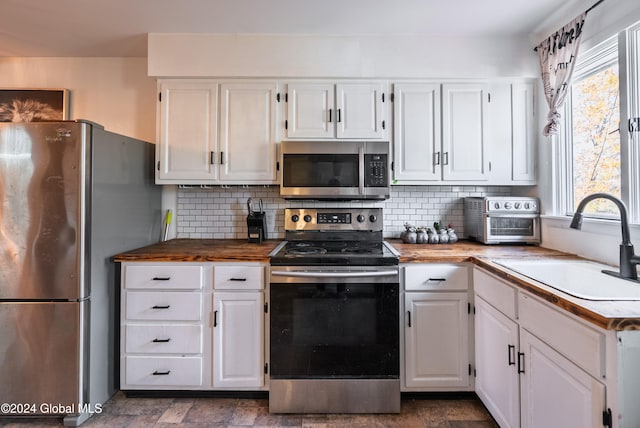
<point>523,132</point>
<point>310,110</point>
<point>359,111</point>
<point>497,383</point>
<point>416,127</point>
<point>238,351</point>
<point>464,132</point>
<point>554,391</point>
<point>436,339</point>
<point>188,133</point>
<point>247,137</point>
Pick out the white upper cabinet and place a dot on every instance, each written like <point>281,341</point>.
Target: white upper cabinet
<point>426,151</point>
<point>523,133</point>
<point>212,133</point>
<point>187,131</point>
<point>464,132</point>
<point>324,110</point>
<point>513,136</point>
<point>416,131</point>
<point>310,110</point>
<point>247,132</point>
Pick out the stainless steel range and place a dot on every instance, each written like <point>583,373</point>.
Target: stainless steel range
<point>334,331</point>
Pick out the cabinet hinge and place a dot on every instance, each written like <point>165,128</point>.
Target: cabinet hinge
<point>266,308</point>
<point>607,419</point>
<point>266,368</point>
<point>391,97</point>
<point>160,96</point>
<point>286,124</point>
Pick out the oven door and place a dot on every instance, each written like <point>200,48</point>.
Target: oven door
<point>512,228</point>
<point>334,339</point>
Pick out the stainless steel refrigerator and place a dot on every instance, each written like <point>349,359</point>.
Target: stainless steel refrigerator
<point>72,195</point>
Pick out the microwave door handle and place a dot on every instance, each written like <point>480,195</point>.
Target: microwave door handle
<point>361,168</point>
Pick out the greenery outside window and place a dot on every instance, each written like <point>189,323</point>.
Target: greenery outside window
<point>597,148</point>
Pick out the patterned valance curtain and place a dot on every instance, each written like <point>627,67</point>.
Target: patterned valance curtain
<point>557,55</point>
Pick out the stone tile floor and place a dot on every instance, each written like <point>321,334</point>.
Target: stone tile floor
<point>122,411</point>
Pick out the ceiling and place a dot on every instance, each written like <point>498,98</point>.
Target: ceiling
<point>118,28</point>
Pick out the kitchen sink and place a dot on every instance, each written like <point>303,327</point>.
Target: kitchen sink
<point>581,279</point>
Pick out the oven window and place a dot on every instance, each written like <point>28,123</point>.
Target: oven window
<point>316,170</point>
<point>511,226</point>
<point>334,331</point>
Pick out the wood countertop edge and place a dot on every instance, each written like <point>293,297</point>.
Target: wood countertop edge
<point>557,298</point>
<point>182,251</point>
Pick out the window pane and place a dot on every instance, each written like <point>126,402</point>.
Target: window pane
<point>596,140</point>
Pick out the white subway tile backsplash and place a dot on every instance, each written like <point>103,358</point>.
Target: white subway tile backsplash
<point>220,213</point>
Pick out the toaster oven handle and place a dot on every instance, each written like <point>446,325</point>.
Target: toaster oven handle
<point>512,215</point>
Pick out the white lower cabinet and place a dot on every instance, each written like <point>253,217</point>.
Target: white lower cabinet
<point>535,366</point>
<point>238,359</point>
<point>197,326</point>
<point>497,383</point>
<point>555,393</point>
<point>436,328</point>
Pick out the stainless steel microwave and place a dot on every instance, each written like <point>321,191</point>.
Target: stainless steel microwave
<point>343,170</point>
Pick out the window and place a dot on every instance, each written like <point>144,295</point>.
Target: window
<point>598,148</point>
<point>595,135</point>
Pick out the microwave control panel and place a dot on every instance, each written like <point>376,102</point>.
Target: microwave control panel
<point>376,170</point>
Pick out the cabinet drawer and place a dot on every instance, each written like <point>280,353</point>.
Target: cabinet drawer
<point>163,339</point>
<point>434,277</point>
<point>241,277</point>
<point>583,345</point>
<point>498,293</point>
<point>163,371</point>
<point>163,305</point>
<point>163,276</point>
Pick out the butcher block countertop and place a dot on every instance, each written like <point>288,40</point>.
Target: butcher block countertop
<point>611,315</point>
<point>201,250</point>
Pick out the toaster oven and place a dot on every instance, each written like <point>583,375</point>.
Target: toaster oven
<point>502,219</point>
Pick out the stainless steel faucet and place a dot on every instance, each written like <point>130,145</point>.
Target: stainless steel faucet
<point>628,260</point>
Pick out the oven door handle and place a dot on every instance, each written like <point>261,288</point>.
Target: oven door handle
<point>323,274</point>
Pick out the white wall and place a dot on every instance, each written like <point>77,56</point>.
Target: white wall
<point>598,240</point>
<point>114,92</point>
<point>336,56</point>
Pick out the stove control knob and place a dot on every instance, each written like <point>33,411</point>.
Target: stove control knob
<point>307,218</point>
<point>360,218</point>
<point>527,206</point>
<point>517,205</point>
<point>295,218</point>
<point>507,205</point>
<point>496,205</point>
<point>373,218</point>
